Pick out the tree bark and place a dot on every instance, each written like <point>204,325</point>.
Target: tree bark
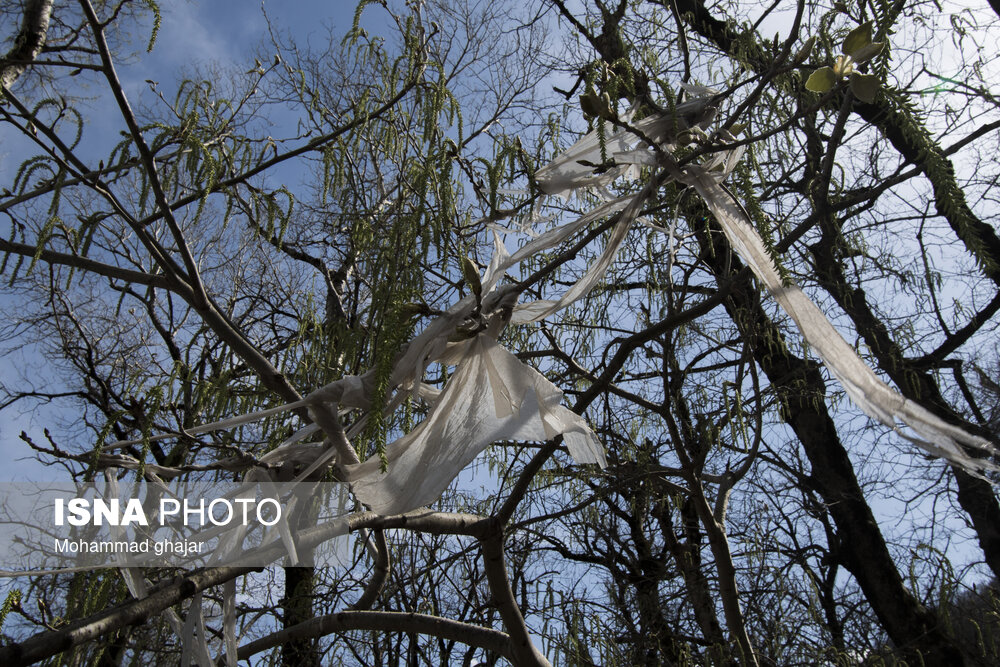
<point>974,495</point>
<point>28,43</point>
<point>911,626</point>
<point>297,608</point>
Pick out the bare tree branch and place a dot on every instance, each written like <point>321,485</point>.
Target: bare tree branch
<point>386,621</point>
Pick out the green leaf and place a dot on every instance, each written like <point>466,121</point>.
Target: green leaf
<point>866,53</point>
<point>596,107</point>
<point>591,105</point>
<point>805,50</point>
<point>822,80</point>
<point>865,86</point>
<point>471,274</point>
<point>858,38</point>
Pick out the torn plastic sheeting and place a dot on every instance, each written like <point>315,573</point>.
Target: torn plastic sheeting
<point>574,169</point>
<point>194,646</point>
<point>423,349</point>
<point>873,396</point>
<point>502,260</point>
<point>514,403</point>
<point>515,415</point>
<point>432,344</point>
<point>134,579</point>
<point>229,622</point>
<point>538,310</point>
<point>869,393</point>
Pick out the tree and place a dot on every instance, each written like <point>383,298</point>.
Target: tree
<point>178,276</point>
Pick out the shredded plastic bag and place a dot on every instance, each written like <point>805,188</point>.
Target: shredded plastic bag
<point>491,397</point>
<point>873,396</point>
<point>494,397</point>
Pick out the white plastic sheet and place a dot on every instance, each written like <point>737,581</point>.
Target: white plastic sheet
<point>491,397</point>
<point>873,396</point>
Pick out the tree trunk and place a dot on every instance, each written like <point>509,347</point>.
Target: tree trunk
<point>297,607</point>
<point>974,495</point>
<point>910,625</point>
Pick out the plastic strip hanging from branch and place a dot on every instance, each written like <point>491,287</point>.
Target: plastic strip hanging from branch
<point>514,402</point>
<point>873,396</point>
<point>492,396</point>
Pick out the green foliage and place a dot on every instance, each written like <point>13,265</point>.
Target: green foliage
<point>865,87</point>
<point>804,51</point>
<point>857,49</point>
<point>903,116</point>
<point>858,39</point>
<point>154,7</point>
<point>12,600</point>
<point>822,80</point>
<point>470,272</point>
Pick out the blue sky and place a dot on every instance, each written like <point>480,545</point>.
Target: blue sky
<point>194,34</point>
